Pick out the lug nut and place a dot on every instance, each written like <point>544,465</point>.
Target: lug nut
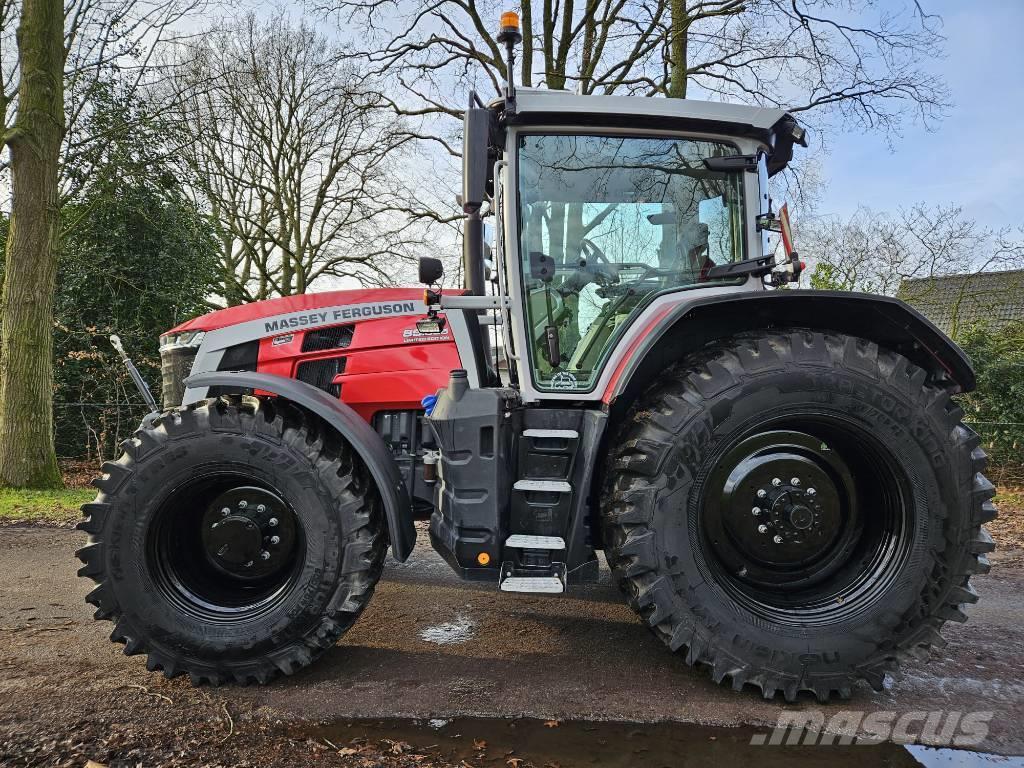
<point>264,555</point>
<point>261,508</point>
<point>761,493</point>
<point>776,482</point>
<point>811,492</point>
<point>795,481</point>
<point>755,511</point>
<point>243,504</point>
<point>272,522</point>
<point>225,512</point>
<point>777,539</point>
<point>275,539</point>
<point>762,528</point>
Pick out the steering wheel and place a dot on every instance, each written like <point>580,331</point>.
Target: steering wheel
<point>604,267</point>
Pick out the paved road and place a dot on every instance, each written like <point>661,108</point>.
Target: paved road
<point>431,646</point>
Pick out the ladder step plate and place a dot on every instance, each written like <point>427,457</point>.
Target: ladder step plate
<point>567,434</point>
<point>524,541</point>
<point>546,584</point>
<point>552,486</point>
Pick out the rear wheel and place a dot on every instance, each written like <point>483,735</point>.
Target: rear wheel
<point>233,540</point>
<point>797,510</point>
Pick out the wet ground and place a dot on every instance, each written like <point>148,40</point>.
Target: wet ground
<point>628,745</point>
<point>431,647</point>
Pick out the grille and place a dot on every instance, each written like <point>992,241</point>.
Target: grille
<point>175,365</point>
<point>320,373</point>
<point>336,337</point>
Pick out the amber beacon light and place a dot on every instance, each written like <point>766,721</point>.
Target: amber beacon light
<point>510,21</point>
<point>509,28</point>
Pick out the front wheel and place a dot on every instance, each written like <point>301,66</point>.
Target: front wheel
<point>233,540</point>
<point>797,510</point>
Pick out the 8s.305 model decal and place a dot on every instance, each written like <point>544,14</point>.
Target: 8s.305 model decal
<point>413,334</point>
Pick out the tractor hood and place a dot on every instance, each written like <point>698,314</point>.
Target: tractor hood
<point>284,305</point>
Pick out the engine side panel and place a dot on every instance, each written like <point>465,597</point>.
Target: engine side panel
<point>385,364</point>
<point>368,354</point>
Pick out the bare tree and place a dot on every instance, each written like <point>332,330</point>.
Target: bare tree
<point>856,62</point>
<point>875,252</point>
<point>293,156</point>
<point>62,52</point>
<point>841,65</point>
<point>104,41</point>
<point>27,456</point>
<point>880,252</point>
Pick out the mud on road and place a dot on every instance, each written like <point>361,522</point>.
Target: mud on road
<point>428,646</point>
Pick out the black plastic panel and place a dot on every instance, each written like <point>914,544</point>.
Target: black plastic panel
<point>475,431</point>
<point>240,357</point>
<point>335,337</point>
<point>321,373</point>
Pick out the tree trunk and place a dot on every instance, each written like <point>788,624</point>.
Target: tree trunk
<point>27,456</point>
<point>679,32</point>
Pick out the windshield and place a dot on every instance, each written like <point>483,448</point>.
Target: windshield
<point>606,223</point>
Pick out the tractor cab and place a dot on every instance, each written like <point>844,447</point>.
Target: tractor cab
<point>604,206</point>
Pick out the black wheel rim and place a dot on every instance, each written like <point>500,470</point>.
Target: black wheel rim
<point>225,546</point>
<point>805,521</point>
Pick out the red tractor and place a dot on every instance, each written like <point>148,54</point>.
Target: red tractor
<point>779,479</point>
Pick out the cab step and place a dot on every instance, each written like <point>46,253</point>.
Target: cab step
<point>550,580</point>
<point>552,434</point>
<point>543,486</point>
<point>525,541</point>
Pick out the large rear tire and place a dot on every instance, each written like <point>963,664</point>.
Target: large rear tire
<point>233,540</point>
<point>797,510</point>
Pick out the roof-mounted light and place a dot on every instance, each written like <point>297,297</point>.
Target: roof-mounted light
<point>510,37</point>
<point>509,27</point>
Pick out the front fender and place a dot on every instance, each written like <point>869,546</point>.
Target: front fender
<point>364,441</point>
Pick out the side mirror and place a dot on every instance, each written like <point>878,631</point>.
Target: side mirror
<point>431,270</point>
<point>476,162</point>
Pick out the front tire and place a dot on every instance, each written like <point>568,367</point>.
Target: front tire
<point>797,510</point>
<point>233,540</point>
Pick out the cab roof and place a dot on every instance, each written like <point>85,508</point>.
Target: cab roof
<point>775,127</point>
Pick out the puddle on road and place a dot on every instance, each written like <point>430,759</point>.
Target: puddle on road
<point>449,633</point>
<point>521,743</point>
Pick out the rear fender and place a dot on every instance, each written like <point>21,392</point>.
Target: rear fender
<point>686,327</point>
<point>364,440</point>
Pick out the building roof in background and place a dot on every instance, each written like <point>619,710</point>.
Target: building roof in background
<point>955,302</point>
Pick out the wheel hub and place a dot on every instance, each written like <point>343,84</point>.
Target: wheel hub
<point>235,540</point>
<point>779,509</point>
<point>248,533</point>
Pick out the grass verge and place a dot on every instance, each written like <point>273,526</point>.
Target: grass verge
<point>43,507</point>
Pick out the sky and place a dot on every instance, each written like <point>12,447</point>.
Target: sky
<point>973,157</point>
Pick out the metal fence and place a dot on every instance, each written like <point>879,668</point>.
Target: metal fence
<point>93,431</point>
